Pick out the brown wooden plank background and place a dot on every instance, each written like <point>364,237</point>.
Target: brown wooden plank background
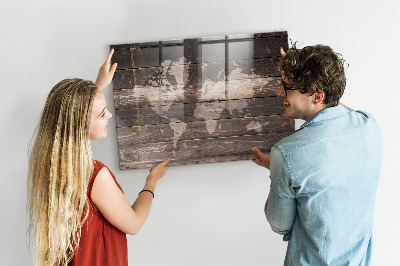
<point>198,100</point>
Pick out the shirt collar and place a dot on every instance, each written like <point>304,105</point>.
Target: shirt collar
<point>326,114</point>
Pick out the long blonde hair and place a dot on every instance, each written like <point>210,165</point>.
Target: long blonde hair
<point>60,168</point>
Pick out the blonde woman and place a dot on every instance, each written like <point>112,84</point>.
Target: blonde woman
<point>78,212</point>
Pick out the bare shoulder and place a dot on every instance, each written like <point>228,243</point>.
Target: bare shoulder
<point>111,202</point>
<point>103,174</point>
<point>103,185</point>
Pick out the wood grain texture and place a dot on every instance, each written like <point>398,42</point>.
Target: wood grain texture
<point>198,100</point>
<point>227,90</point>
<point>182,112</point>
<point>194,150</point>
<point>173,132</point>
<point>208,39</point>
<point>181,74</point>
<point>134,56</point>
<point>129,164</point>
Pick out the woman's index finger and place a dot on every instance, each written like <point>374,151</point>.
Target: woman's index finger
<point>108,60</point>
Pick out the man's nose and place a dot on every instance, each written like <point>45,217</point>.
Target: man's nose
<point>281,92</point>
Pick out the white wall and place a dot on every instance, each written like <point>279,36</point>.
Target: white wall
<point>209,214</point>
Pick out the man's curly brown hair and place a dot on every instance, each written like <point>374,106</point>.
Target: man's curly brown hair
<point>316,69</point>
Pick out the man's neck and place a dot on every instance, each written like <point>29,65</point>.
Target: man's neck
<point>318,108</point>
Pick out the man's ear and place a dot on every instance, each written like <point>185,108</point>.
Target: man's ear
<point>318,97</point>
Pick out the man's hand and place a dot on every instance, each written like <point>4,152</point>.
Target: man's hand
<point>106,74</point>
<point>263,158</point>
<point>345,106</point>
<point>282,52</point>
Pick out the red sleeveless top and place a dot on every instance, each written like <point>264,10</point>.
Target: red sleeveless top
<point>101,243</point>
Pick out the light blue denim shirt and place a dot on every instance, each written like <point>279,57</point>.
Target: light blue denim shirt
<point>323,183</point>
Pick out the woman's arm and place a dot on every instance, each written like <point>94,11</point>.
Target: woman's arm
<point>114,206</point>
<point>105,75</point>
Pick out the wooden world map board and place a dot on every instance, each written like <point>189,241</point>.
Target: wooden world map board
<point>198,100</point>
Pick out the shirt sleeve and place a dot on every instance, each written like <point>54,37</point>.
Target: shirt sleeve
<point>281,210</point>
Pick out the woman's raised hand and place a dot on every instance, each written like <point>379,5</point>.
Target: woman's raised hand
<point>106,74</point>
